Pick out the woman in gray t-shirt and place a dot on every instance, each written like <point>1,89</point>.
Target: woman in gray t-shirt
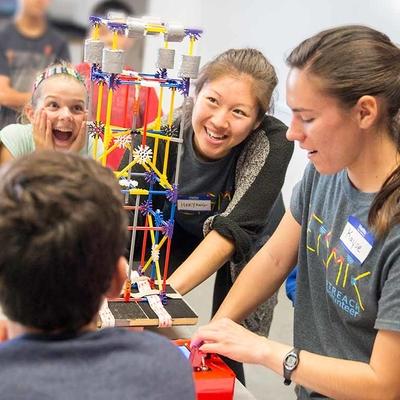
<point>343,227</point>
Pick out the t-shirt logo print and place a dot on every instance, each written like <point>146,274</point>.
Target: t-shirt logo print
<point>343,273</point>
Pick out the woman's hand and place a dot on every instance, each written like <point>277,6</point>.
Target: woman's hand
<point>42,131</point>
<point>230,339</point>
<point>80,139</point>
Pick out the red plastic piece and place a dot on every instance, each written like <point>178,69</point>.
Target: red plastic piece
<point>196,358</point>
<point>215,383</point>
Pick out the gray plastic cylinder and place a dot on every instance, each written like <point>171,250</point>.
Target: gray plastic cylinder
<point>174,33</point>
<point>93,51</point>
<point>166,58</point>
<point>189,67</point>
<point>113,61</point>
<point>117,16</point>
<point>136,27</point>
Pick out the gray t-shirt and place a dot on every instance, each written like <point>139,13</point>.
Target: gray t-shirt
<point>107,364</point>
<point>341,302</point>
<point>209,182</point>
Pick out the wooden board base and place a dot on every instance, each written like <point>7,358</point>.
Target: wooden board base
<point>134,313</point>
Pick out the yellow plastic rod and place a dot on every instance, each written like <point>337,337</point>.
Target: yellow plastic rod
<point>171,107</point>
<point>96,32</point>
<point>115,40</point>
<point>107,130</point>
<point>99,102</point>
<point>159,110</point>
<point>191,45</point>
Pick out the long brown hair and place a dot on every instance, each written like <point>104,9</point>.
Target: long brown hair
<point>353,61</point>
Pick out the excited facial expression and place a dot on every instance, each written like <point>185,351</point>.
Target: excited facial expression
<point>328,132</point>
<point>63,99</point>
<point>224,114</point>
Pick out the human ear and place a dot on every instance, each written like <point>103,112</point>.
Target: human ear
<point>29,112</point>
<point>367,109</point>
<point>118,279</point>
<point>257,124</point>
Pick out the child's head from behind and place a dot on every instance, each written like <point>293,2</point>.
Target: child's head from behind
<point>60,92</point>
<point>63,231</point>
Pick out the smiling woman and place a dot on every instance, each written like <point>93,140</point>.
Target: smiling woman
<point>221,120</point>
<point>56,114</point>
<point>234,160</point>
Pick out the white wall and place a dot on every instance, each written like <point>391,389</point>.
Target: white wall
<point>78,11</point>
<point>274,27</point>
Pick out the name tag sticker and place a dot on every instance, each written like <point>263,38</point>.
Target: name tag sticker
<point>194,204</point>
<point>357,239</point>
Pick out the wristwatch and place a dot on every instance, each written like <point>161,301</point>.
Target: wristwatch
<point>290,363</point>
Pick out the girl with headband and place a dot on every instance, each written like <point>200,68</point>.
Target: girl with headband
<point>57,116</point>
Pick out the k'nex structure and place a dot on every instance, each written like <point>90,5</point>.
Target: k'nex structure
<point>145,172</point>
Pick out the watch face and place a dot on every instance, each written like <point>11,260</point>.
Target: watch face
<point>291,361</point>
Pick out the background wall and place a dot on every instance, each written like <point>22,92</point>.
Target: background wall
<point>274,27</point>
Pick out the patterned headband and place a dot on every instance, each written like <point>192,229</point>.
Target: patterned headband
<point>55,70</point>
